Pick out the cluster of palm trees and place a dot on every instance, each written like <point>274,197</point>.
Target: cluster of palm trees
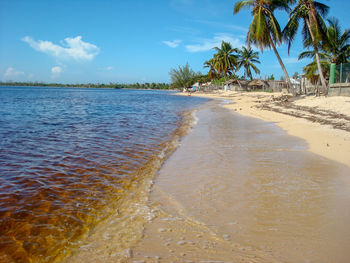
<point>227,61</point>
<point>325,43</point>
<point>335,49</point>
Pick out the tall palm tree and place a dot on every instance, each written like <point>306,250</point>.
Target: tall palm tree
<point>247,58</point>
<point>225,58</point>
<point>265,31</point>
<point>311,13</point>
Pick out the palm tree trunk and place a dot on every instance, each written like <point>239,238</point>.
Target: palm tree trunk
<point>281,64</point>
<point>317,56</point>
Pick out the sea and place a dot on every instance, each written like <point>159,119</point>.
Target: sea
<point>72,158</point>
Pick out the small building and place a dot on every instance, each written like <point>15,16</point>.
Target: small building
<point>258,84</point>
<point>237,84</point>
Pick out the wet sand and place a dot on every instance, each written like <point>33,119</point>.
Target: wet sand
<point>239,189</point>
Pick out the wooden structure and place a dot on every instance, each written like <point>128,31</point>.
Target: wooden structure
<point>258,84</point>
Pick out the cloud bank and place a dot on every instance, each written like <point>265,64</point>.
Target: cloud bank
<point>72,48</point>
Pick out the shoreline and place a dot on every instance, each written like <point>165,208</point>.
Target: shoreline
<point>324,140</point>
<point>242,189</point>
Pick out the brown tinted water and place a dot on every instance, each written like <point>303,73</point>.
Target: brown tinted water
<point>241,190</point>
<point>71,159</point>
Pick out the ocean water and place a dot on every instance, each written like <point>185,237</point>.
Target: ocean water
<point>69,158</point>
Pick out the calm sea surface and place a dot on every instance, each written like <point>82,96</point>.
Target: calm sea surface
<point>66,154</point>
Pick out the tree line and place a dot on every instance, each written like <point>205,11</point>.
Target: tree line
<point>137,85</point>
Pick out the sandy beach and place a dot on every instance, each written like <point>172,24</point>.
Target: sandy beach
<point>326,129</point>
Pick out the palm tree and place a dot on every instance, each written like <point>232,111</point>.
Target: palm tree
<point>247,58</point>
<point>225,60</point>
<point>265,31</point>
<point>311,12</point>
<point>337,43</point>
<point>212,74</point>
<point>333,49</point>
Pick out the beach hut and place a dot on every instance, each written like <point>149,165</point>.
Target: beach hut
<point>258,84</point>
<point>237,84</point>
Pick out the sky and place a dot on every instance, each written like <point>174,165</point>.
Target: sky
<point>128,41</point>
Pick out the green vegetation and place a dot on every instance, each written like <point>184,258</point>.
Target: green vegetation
<point>272,77</point>
<point>247,58</point>
<point>225,59</point>
<point>333,49</point>
<point>222,67</point>
<point>183,77</point>
<point>312,14</point>
<point>91,85</point>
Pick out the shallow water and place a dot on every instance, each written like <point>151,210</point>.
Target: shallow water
<point>68,159</point>
<point>240,189</point>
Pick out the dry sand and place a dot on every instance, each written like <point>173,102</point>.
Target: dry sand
<point>316,128</point>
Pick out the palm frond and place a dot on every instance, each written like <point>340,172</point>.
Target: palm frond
<point>322,9</point>
<point>306,54</point>
<point>241,5</point>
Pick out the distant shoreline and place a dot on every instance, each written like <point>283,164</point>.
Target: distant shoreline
<point>143,86</point>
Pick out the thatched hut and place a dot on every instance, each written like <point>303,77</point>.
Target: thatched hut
<point>237,84</point>
<point>258,84</point>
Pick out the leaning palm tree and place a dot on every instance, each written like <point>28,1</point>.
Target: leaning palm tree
<point>265,31</point>
<point>311,13</point>
<point>247,58</point>
<point>225,58</point>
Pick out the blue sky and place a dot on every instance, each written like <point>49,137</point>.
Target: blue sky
<point>126,41</point>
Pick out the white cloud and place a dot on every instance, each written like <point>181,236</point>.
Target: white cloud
<point>12,73</point>
<point>56,71</point>
<point>172,44</point>
<point>72,48</point>
<point>208,44</point>
<point>109,68</point>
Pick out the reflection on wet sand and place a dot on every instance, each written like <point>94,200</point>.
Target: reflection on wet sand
<point>240,189</point>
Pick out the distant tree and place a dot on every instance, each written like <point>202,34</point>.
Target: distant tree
<point>182,77</point>
<point>225,58</point>
<point>295,75</point>
<point>272,77</point>
<point>246,59</point>
<point>212,73</point>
